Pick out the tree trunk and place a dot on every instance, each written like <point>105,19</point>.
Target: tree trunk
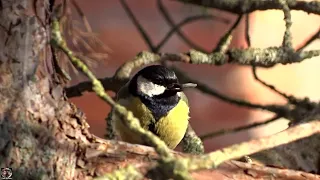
<point>34,114</point>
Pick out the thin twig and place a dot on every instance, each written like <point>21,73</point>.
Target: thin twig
<point>171,23</point>
<point>247,30</point>
<point>273,88</point>
<point>136,23</point>
<point>185,22</point>
<point>207,90</point>
<point>225,41</point>
<point>237,129</point>
<point>287,37</point>
<point>309,41</point>
<point>83,17</point>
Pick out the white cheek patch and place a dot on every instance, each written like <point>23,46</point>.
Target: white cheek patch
<point>149,88</point>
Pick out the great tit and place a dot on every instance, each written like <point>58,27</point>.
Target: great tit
<point>155,97</point>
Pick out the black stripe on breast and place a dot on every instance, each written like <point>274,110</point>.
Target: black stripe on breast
<point>160,107</point>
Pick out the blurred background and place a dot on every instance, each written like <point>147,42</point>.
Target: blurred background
<point>112,25</point>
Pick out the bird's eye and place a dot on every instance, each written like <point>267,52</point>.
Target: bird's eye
<point>158,80</point>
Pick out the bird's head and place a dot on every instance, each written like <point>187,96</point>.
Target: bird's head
<point>156,81</point>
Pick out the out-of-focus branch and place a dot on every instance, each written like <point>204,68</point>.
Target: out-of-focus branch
<point>246,148</point>
<point>225,41</point>
<point>136,23</point>
<point>109,83</point>
<point>254,72</point>
<point>135,155</point>
<point>237,129</point>
<point>83,17</point>
<point>247,30</point>
<point>210,91</point>
<point>248,6</point>
<point>309,41</point>
<point>170,21</point>
<point>186,21</point>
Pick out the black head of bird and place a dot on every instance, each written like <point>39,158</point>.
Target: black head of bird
<point>156,81</point>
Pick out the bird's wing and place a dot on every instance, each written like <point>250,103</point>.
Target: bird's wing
<point>123,92</point>
<point>140,110</point>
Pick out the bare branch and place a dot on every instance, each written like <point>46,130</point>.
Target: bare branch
<point>83,17</point>
<point>254,72</point>
<point>238,129</point>
<point>309,41</point>
<point>207,90</point>
<point>225,41</point>
<point>287,37</point>
<point>242,7</point>
<point>247,30</point>
<point>170,21</point>
<point>108,84</point>
<point>136,23</point>
<point>185,22</point>
<point>266,57</point>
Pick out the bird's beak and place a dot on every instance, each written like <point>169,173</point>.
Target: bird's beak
<point>180,87</point>
<point>189,85</point>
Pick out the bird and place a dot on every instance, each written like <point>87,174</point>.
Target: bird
<point>155,96</point>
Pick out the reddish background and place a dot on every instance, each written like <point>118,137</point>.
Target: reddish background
<point>208,114</point>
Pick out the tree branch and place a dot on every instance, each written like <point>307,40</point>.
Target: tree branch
<point>287,37</point>
<point>170,21</point>
<point>247,30</point>
<point>309,41</point>
<point>136,23</point>
<point>225,41</point>
<point>267,57</point>
<point>237,129</point>
<point>254,72</point>
<point>246,148</point>
<point>248,6</point>
<point>182,23</point>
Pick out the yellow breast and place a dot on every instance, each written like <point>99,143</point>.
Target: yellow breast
<point>170,129</point>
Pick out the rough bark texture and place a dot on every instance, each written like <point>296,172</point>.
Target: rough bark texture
<point>39,129</point>
<point>42,135</point>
